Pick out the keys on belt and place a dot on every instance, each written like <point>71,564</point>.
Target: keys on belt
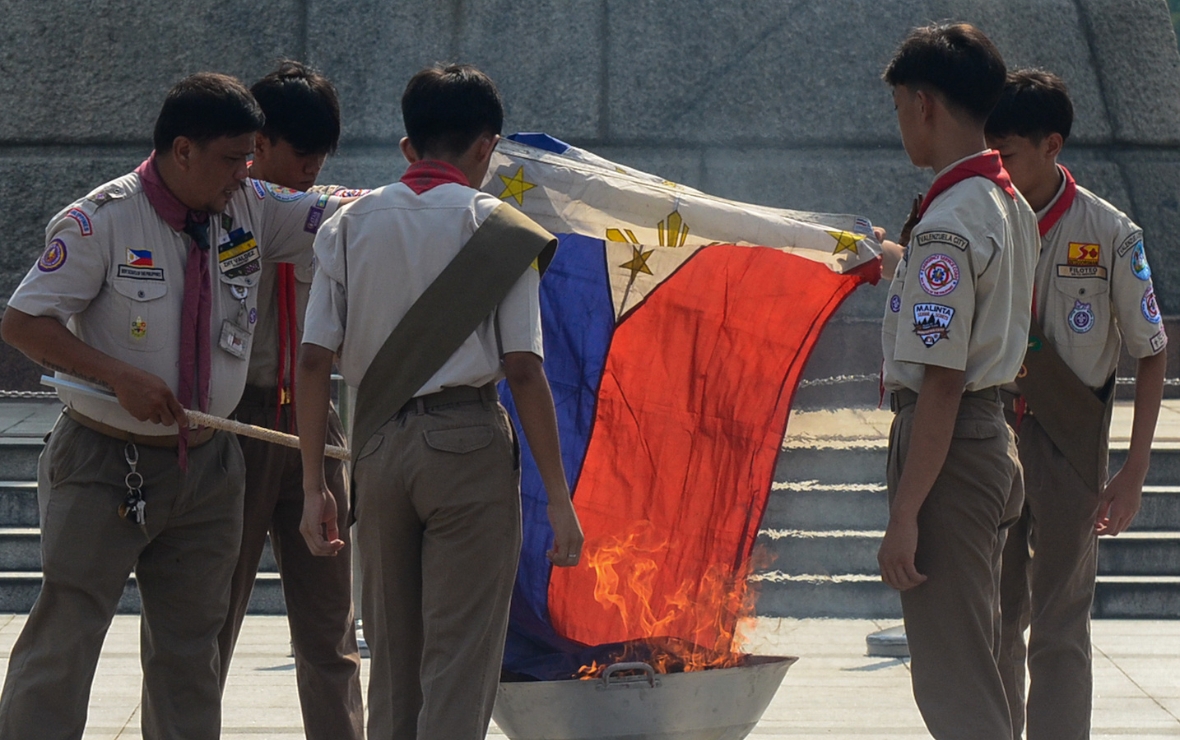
<point>134,507</point>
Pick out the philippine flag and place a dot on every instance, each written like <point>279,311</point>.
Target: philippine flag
<point>139,257</point>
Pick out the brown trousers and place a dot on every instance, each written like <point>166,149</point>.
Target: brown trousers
<point>1050,563</point>
<point>439,532</point>
<point>317,590</point>
<point>952,620</point>
<point>182,567</point>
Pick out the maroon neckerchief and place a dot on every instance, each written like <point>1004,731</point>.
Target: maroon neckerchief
<point>195,361</point>
<point>1054,214</point>
<point>426,174</point>
<point>985,164</point>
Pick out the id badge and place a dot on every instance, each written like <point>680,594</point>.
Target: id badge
<point>234,339</point>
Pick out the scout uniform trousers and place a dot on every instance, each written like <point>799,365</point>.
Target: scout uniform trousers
<point>317,590</point>
<point>182,569</point>
<point>439,533</point>
<point>1052,554</point>
<point>951,619</point>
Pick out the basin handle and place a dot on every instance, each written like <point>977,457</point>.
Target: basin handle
<point>614,668</point>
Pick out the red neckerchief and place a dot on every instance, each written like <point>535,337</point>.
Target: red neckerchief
<point>1054,214</point>
<point>430,173</point>
<point>985,164</point>
<point>167,206</point>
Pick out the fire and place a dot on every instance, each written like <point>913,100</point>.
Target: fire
<point>699,626</point>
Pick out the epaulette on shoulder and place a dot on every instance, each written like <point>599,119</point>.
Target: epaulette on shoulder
<point>108,193</point>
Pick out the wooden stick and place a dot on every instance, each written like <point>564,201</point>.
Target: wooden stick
<point>266,435</point>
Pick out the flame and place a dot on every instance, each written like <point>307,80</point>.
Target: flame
<point>701,625</point>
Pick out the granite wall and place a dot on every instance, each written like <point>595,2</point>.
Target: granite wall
<point>772,101</point>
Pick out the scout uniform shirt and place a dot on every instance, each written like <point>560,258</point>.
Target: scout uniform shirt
<point>1093,284</point>
<point>113,271</point>
<point>960,295</point>
<point>376,257</point>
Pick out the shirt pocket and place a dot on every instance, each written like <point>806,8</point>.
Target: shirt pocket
<point>1084,305</point>
<point>460,441</point>
<point>146,327</point>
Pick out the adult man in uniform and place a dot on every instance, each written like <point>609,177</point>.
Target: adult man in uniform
<point>1093,290</point>
<point>302,128</point>
<point>436,473</point>
<point>955,328</point>
<point>146,287</point>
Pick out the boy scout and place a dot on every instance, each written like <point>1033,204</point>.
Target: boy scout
<point>146,286</point>
<point>1093,289</point>
<point>955,329</point>
<point>437,480</point>
<point>302,128</point>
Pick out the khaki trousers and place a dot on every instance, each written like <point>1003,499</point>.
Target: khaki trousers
<point>1050,563</point>
<point>182,566</point>
<point>438,531</point>
<point>317,590</point>
<point>952,620</point>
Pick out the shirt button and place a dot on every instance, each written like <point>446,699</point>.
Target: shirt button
<point>141,294</point>
<point>1081,291</point>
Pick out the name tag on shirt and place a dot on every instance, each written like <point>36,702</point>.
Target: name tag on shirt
<point>238,254</point>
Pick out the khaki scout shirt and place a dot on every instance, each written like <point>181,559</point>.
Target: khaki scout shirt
<point>113,273</point>
<point>961,297</point>
<point>376,257</point>
<point>1094,288</point>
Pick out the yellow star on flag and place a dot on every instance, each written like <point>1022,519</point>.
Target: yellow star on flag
<point>515,186</point>
<point>846,241</point>
<point>638,262</point>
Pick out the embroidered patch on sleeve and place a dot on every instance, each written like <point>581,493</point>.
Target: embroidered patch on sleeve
<point>1129,243</point>
<point>1159,341</point>
<point>932,322</point>
<point>53,257</point>
<point>1081,317</point>
<point>895,303</point>
<point>351,192</point>
<point>1151,309</point>
<point>1139,266</point>
<point>938,275</point>
<point>282,194</point>
<point>259,190</point>
<point>942,237</point>
<point>82,220</point>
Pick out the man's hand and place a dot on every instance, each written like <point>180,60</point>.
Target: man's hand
<point>567,532</point>
<point>318,525</point>
<point>896,556</point>
<point>148,398</point>
<point>1119,503</point>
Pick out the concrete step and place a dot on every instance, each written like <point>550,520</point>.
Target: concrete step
<point>18,504</point>
<point>852,596</point>
<point>18,592</point>
<point>854,552</point>
<point>18,458</point>
<point>20,551</point>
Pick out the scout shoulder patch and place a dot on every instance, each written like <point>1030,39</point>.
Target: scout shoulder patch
<point>53,257</point>
<point>1139,266</point>
<point>259,190</point>
<point>938,275</point>
<point>1129,243</point>
<point>932,322</point>
<point>1081,317</point>
<point>1149,307</point>
<point>238,254</point>
<point>282,194</point>
<point>942,237</point>
<point>81,218</point>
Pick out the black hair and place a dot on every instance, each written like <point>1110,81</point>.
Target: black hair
<point>204,107</point>
<point>446,108</point>
<point>301,107</point>
<point>1035,104</point>
<point>956,60</point>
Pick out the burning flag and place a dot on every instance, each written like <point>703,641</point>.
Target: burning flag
<point>676,328</point>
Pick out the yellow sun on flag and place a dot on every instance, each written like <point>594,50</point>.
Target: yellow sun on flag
<point>621,235</point>
<point>515,186</point>
<point>673,230</point>
<point>638,262</point>
<point>846,241</point>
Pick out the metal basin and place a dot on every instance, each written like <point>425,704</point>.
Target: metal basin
<point>632,702</point>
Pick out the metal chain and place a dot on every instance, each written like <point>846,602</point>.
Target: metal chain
<point>28,394</point>
<point>875,377</point>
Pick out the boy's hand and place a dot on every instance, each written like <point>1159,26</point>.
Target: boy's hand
<point>896,556</point>
<point>318,525</point>
<point>1118,504</point>
<point>567,533</point>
